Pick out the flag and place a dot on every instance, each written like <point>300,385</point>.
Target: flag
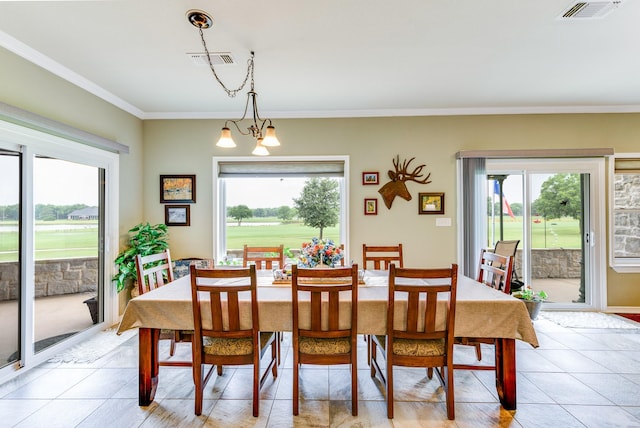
<point>506,208</point>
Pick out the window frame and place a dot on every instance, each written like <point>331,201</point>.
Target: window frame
<point>219,207</point>
<point>618,264</point>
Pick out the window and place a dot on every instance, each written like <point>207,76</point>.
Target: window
<point>263,185</point>
<point>625,216</point>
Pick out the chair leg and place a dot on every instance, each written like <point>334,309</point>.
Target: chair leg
<point>451,408</point>
<point>372,354</point>
<point>367,339</point>
<point>295,385</point>
<point>197,380</point>
<point>219,367</point>
<point>279,339</point>
<point>275,354</point>
<point>256,385</point>
<point>389,387</point>
<point>174,338</point>
<point>478,351</point>
<point>354,384</point>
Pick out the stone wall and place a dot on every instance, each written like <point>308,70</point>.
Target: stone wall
<point>626,215</point>
<point>52,277</point>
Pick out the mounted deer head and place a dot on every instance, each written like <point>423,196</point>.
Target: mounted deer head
<point>397,186</point>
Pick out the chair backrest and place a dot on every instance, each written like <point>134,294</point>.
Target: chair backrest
<point>322,289</point>
<point>424,319</point>
<point>221,316</point>
<point>153,271</point>
<point>382,256</point>
<point>496,270</point>
<point>506,248</point>
<point>268,255</point>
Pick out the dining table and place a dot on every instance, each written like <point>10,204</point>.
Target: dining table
<point>481,312</point>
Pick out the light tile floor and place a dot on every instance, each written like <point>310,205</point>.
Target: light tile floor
<point>577,378</point>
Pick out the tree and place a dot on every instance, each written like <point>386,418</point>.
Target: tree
<point>559,197</point>
<point>285,213</point>
<point>319,203</point>
<point>240,212</point>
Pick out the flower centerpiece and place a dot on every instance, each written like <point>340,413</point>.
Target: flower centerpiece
<point>319,252</point>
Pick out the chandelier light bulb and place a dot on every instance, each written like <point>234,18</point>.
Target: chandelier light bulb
<point>260,149</point>
<point>270,139</point>
<point>225,139</point>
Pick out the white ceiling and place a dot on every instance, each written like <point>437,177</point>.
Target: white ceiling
<point>337,58</point>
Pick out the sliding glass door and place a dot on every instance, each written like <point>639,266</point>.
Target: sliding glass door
<point>57,211</point>
<point>67,214</point>
<point>547,206</point>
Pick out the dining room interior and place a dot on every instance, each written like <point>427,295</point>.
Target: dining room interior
<point>426,147</point>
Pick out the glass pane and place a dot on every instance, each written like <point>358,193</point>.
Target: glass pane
<point>271,218</point>
<point>556,236</point>
<point>9,257</point>
<point>67,213</point>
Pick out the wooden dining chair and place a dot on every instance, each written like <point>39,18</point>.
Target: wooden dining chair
<point>258,255</point>
<point>509,248</point>
<point>381,256</point>
<point>325,322</point>
<point>224,335</point>
<point>153,271</point>
<point>495,271</point>
<point>425,339</point>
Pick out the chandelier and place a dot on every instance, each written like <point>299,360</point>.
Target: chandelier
<point>261,129</point>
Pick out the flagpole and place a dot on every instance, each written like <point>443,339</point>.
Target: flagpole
<point>499,179</point>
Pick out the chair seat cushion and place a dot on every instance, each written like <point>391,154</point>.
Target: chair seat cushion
<point>324,346</point>
<point>419,348</point>
<point>415,347</point>
<point>223,346</point>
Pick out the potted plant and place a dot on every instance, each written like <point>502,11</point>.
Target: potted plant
<point>145,239</point>
<point>533,300</point>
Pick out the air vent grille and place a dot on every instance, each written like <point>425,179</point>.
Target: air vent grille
<point>593,9</point>
<point>217,58</point>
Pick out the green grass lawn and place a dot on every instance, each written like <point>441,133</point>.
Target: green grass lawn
<point>291,235</point>
<point>53,244</point>
<point>558,233</point>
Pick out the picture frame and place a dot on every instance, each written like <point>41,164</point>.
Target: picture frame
<point>177,215</point>
<point>370,177</point>
<point>431,203</point>
<point>178,189</point>
<point>371,206</point>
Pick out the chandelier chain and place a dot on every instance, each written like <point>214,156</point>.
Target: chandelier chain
<point>230,92</point>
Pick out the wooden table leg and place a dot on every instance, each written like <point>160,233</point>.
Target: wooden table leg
<point>506,372</point>
<point>147,365</point>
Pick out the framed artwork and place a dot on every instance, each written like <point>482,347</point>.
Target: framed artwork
<point>371,206</point>
<point>178,188</point>
<point>177,215</point>
<point>369,178</point>
<point>431,203</point>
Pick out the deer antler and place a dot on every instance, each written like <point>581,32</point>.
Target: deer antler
<point>402,174</point>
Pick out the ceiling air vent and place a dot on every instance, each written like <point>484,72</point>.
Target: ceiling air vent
<point>217,58</point>
<point>590,9</point>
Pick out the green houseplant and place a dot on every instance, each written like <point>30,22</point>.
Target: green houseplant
<point>532,300</point>
<point>145,239</point>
